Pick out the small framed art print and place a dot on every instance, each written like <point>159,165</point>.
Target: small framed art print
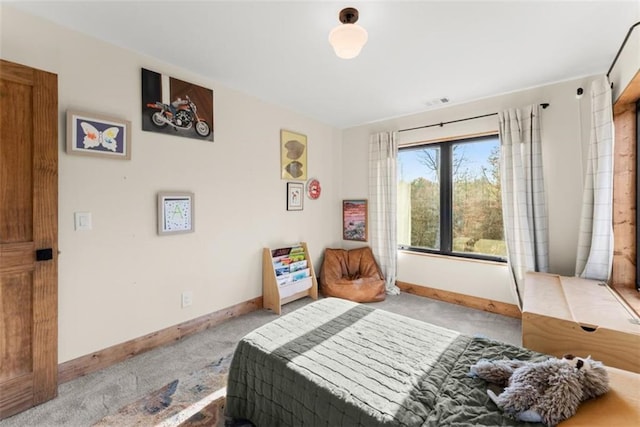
<point>175,213</point>
<point>354,220</point>
<point>90,134</point>
<point>295,195</point>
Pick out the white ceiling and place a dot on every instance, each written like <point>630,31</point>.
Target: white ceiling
<point>417,51</point>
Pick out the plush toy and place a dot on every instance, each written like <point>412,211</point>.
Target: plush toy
<point>549,391</point>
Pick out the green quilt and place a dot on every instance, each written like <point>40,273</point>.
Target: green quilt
<point>338,363</point>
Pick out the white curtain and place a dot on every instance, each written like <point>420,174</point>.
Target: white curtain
<point>523,200</point>
<point>595,242</point>
<point>383,154</point>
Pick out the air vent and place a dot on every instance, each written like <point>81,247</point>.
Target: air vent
<point>436,102</point>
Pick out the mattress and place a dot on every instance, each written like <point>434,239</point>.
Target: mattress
<point>338,363</point>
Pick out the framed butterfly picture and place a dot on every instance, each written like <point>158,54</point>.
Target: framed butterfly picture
<point>90,134</point>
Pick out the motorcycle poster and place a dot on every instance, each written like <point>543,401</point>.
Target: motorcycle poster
<point>175,107</point>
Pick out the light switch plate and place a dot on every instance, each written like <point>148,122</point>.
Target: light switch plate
<point>82,221</point>
<point>187,299</point>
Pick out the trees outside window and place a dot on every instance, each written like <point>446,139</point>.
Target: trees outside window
<point>449,198</point>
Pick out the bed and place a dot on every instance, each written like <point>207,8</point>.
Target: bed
<point>338,363</point>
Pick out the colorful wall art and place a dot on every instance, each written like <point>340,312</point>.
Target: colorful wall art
<point>90,134</point>
<point>354,220</point>
<point>175,107</point>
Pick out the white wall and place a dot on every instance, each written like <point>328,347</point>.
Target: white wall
<point>564,135</point>
<point>120,280</point>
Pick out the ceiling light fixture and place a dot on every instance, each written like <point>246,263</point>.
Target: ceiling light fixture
<point>349,38</point>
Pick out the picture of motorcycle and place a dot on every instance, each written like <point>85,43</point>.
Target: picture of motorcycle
<point>180,114</point>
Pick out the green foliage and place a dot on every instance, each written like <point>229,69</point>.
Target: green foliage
<point>425,213</point>
<point>477,209</point>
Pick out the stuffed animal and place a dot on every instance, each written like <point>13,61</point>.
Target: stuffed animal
<point>549,391</point>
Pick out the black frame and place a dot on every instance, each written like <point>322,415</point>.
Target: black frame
<point>446,203</point>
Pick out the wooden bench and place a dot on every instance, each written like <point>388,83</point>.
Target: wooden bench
<point>582,317</point>
<point>585,317</point>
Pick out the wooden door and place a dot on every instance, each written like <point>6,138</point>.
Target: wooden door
<point>28,237</point>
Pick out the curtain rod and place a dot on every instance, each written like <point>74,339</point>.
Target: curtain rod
<point>543,105</point>
<point>622,47</point>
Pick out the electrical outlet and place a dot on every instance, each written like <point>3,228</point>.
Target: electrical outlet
<point>187,299</point>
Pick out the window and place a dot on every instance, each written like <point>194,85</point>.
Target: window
<point>449,198</point>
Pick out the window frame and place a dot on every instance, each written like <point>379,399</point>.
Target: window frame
<point>446,197</point>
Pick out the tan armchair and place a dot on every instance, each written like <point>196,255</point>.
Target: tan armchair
<point>352,274</point>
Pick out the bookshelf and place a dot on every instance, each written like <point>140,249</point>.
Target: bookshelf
<point>287,275</point>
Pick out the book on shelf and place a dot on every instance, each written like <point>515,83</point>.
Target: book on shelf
<point>280,271</point>
<point>280,264</point>
<point>290,250</point>
<point>293,257</point>
<point>297,256</point>
<point>299,275</point>
<point>297,265</point>
<point>280,252</point>
<point>286,259</point>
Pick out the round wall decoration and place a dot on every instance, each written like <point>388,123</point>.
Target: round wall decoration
<point>313,188</point>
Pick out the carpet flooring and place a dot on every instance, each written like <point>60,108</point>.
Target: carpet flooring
<point>154,388</point>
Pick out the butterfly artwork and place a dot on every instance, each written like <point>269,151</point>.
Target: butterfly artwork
<point>98,135</point>
<point>94,138</point>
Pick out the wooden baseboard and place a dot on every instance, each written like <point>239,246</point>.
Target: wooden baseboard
<point>101,359</point>
<point>477,303</point>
